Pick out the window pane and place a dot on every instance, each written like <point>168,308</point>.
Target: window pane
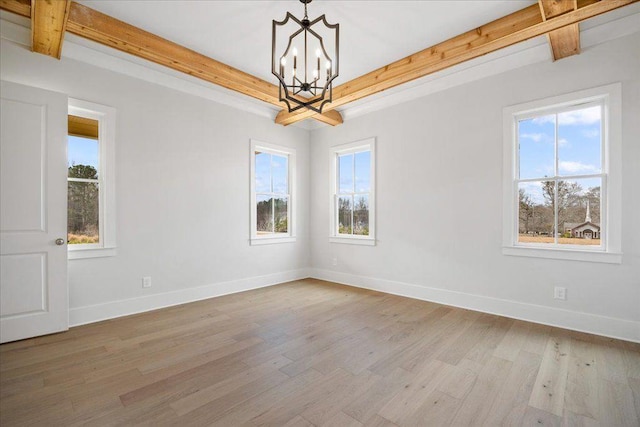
<point>535,212</point>
<point>345,173</point>
<point>264,214</point>
<point>579,141</point>
<point>83,211</point>
<point>279,172</point>
<point>263,172</point>
<point>281,215</point>
<point>345,215</point>
<point>83,157</point>
<point>363,172</point>
<point>579,211</point>
<point>361,216</point>
<point>536,139</point>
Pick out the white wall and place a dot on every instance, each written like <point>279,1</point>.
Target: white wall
<point>182,197</point>
<point>439,201</point>
<point>182,178</point>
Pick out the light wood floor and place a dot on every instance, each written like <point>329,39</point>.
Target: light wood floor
<point>314,353</point>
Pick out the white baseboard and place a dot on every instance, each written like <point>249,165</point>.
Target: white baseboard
<point>583,322</point>
<point>577,321</point>
<point>95,313</point>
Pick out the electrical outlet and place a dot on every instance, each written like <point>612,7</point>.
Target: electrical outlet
<point>146,282</point>
<point>334,261</point>
<point>560,293</point>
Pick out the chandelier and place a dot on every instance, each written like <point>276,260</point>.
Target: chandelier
<point>304,67</point>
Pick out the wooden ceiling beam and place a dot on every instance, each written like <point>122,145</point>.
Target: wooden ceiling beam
<point>511,29</point>
<point>330,117</point>
<point>19,7</point>
<point>83,127</point>
<point>564,41</point>
<point>93,25</point>
<point>519,26</point>
<point>98,27</point>
<point>48,24</point>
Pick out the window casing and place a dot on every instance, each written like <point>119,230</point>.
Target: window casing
<point>272,193</point>
<point>102,241</point>
<point>562,177</point>
<point>352,169</point>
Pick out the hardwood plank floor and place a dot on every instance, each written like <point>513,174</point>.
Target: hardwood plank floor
<point>313,353</point>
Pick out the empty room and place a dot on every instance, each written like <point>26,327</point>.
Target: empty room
<point>320,213</point>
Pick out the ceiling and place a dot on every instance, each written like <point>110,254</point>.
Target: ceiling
<point>372,33</point>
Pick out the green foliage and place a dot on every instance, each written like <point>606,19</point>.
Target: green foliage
<point>83,205</point>
<point>271,216</point>
<point>344,230</point>
<point>83,171</point>
<point>281,225</point>
<point>353,218</point>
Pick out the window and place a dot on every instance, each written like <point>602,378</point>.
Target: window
<point>353,193</point>
<point>272,193</point>
<point>90,189</point>
<point>562,177</point>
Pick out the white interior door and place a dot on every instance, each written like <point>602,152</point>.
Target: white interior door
<point>33,212</point>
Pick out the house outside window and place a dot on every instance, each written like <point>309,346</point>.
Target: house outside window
<point>562,177</point>
<point>353,193</point>
<point>272,193</point>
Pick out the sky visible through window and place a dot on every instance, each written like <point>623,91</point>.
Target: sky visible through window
<point>362,172</point>
<point>271,167</point>
<point>579,148</point>
<point>82,151</point>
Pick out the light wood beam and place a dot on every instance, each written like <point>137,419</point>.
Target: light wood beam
<point>331,117</point>
<point>19,7</point>
<point>96,26</point>
<point>83,127</point>
<point>93,25</point>
<point>563,41</point>
<point>511,29</point>
<point>48,24</point>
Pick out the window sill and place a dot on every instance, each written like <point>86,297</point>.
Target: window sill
<point>271,240</point>
<point>90,253</point>
<point>365,241</point>
<point>564,254</point>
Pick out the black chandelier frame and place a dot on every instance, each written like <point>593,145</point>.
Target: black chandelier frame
<point>290,94</point>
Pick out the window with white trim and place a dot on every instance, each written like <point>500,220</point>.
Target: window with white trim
<point>272,193</point>
<point>562,177</point>
<point>91,182</point>
<point>353,193</point>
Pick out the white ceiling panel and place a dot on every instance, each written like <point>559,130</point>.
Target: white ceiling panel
<point>372,33</point>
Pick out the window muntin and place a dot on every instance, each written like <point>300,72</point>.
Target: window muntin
<point>272,193</point>
<point>352,192</point>
<point>560,176</point>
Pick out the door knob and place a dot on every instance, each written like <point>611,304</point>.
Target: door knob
<point>59,242</point>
